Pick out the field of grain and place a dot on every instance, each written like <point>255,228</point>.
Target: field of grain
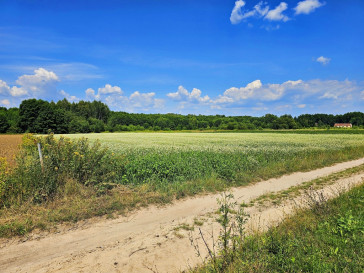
<point>165,159</point>
<point>9,145</point>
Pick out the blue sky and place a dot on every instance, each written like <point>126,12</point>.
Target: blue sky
<point>201,57</point>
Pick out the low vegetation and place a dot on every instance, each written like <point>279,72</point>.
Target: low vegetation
<point>316,184</point>
<point>83,178</point>
<point>326,238</point>
<point>63,160</point>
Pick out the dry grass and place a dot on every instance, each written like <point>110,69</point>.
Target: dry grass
<point>75,203</point>
<point>9,146</point>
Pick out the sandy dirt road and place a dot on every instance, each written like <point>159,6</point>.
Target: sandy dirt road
<point>147,240</point>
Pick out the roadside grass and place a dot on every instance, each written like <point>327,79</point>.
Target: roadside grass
<point>328,237</point>
<point>73,203</point>
<point>278,197</point>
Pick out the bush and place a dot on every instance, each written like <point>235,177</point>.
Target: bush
<point>90,165</point>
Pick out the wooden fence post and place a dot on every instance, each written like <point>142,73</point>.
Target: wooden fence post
<point>40,156</point>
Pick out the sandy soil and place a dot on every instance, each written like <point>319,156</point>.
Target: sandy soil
<point>149,240</point>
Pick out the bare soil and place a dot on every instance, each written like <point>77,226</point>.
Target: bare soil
<point>153,239</point>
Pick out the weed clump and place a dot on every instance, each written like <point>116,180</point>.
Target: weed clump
<point>327,237</point>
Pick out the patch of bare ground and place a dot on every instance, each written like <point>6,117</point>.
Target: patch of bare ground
<point>156,239</point>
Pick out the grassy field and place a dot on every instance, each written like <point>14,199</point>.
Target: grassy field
<point>167,161</point>
<point>326,238</point>
<point>82,180</point>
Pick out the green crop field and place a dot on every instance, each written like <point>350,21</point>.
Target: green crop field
<point>165,159</point>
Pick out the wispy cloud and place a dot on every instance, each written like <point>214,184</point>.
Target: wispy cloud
<point>68,96</point>
<point>277,14</point>
<point>261,9</point>
<point>323,60</point>
<point>75,71</point>
<point>66,71</point>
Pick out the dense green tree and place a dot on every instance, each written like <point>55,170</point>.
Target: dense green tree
<point>96,125</point>
<point>78,125</point>
<point>356,118</point>
<point>28,113</point>
<point>4,125</point>
<point>40,116</point>
<point>46,120</point>
<point>12,115</point>
<point>163,123</point>
<point>64,104</point>
<point>100,111</point>
<point>192,122</point>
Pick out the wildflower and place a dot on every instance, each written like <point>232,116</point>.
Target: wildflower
<point>56,168</point>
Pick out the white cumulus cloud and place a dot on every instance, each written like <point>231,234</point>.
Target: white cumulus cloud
<point>298,93</point>
<point>108,89</point>
<point>115,98</point>
<point>256,91</point>
<point>41,83</point>
<point>236,14</point>
<point>183,95</point>
<point>307,6</point>
<point>323,60</point>
<point>276,14</point>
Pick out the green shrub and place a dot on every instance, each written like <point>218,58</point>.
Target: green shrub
<point>88,164</point>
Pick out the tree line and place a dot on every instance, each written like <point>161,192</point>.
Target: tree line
<point>39,116</point>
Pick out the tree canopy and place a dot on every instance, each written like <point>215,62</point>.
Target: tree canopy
<point>39,116</point>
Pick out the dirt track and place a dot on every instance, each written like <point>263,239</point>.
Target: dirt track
<point>146,240</point>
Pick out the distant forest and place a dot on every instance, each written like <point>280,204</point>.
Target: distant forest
<point>39,116</point>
